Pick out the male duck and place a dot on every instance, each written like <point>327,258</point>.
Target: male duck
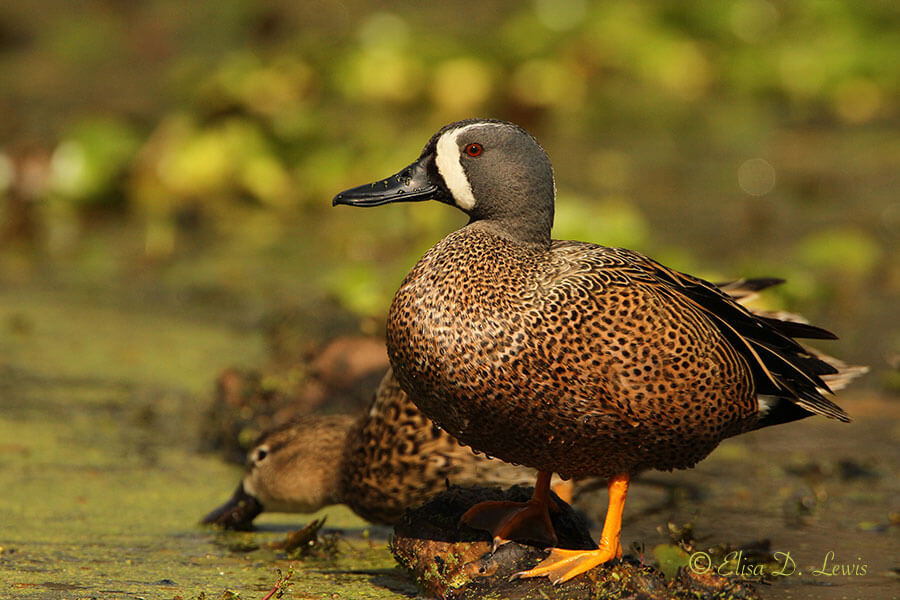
<point>567,356</point>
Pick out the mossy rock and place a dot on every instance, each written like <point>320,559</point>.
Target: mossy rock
<point>451,560</point>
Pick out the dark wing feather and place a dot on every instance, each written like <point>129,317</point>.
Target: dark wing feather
<point>747,287</point>
<point>799,330</point>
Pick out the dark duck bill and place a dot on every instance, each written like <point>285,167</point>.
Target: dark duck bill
<point>415,183</point>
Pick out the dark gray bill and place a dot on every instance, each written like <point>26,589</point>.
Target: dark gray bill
<point>412,184</point>
<point>237,513</point>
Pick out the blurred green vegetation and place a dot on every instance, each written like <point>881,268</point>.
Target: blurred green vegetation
<point>148,144</point>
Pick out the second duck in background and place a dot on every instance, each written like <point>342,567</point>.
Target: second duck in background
<point>380,463</point>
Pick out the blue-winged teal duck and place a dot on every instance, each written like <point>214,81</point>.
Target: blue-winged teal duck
<point>379,463</point>
<point>567,356</point>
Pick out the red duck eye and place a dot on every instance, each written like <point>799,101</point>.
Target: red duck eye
<point>474,150</point>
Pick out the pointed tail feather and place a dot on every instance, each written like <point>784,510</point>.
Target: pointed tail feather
<point>836,376</point>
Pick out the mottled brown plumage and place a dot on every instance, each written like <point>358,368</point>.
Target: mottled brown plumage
<point>397,458</point>
<point>388,459</point>
<point>567,356</point>
<point>599,359</point>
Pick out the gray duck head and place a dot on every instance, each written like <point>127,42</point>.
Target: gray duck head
<point>494,171</point>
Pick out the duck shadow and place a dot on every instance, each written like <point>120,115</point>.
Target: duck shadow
<point>439,519</point>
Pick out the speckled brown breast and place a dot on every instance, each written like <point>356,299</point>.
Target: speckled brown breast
<point>576,359</point>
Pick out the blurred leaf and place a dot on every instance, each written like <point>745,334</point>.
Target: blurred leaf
<point>196,164</point>
<point>88,162</point>
<point>845,250</point>
<point>359,289</point>
<point>469,74</point>
<point>547,83</point>
<point>610,222</point>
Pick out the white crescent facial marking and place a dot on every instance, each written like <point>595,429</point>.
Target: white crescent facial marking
<point>447,159</point>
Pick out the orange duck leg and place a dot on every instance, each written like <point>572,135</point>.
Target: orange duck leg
<point>562,565</point>
<point>507,520</point>
<point>565,490</point>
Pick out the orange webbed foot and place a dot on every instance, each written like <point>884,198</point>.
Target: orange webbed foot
<point>562,565</point>
<point>517,520</point>
<point>512,520</point>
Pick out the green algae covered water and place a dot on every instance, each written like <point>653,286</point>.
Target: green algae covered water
<point>102,486</point>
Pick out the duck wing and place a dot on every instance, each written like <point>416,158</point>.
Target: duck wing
<point>790,379</point>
